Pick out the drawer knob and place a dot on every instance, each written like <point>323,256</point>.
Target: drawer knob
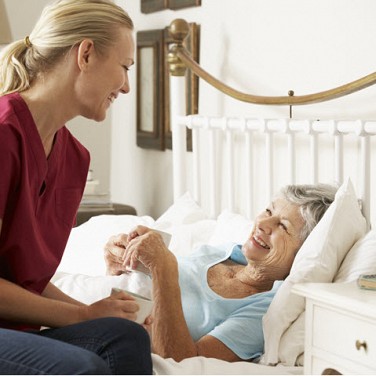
<point>361,345</point>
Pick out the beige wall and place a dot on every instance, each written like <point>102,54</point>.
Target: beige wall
<point>263,46</point>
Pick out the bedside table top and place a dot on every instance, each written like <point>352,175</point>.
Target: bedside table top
<point>345,295</point>
<point>87,210</point>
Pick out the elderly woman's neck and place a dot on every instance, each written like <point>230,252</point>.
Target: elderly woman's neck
<point>260,276</point>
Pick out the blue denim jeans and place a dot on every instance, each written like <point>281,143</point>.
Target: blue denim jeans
<point>102,346</point>
<point>30,354</point>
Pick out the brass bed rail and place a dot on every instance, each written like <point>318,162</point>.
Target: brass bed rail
<point>180,59</point>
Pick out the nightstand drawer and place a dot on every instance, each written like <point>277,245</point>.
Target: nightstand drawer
<point>349,336</point>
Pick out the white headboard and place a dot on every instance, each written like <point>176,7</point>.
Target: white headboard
<point>238,163</point>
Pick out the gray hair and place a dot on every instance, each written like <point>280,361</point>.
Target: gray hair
<point>313,201</point>
<point>62,25</point>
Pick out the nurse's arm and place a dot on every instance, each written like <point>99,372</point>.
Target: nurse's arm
<point>20,305</point>
<point>53,292</point>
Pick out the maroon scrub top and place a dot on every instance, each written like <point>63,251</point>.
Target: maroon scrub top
<point>39,197</point>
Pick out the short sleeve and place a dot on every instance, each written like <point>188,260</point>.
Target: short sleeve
<point>9,165</point>
<point>242,332</point>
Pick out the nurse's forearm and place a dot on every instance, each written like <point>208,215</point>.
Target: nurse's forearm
<point>19,305</point>
<point>53,292</point>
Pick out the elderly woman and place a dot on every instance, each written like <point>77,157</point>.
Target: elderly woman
<point>211,303</point>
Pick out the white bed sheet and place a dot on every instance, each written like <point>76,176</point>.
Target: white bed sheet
<point>210,366</point>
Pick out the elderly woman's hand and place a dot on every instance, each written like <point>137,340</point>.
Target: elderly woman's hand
<point>145,246</point>
<point>148,324</point>
<point>114,251</point>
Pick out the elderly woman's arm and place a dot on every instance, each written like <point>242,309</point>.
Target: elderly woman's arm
<point>170,333</point>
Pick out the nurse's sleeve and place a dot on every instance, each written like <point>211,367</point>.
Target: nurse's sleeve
<point>9,166</point>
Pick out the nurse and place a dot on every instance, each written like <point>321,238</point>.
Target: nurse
<point>75,62</point>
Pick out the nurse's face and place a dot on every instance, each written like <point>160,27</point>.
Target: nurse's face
<point>106,76</point>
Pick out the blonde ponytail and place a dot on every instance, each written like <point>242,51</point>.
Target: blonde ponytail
<point>13,73</point>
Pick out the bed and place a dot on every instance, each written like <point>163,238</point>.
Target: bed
<point>235,167</point>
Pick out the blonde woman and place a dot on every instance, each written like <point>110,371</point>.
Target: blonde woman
<point>74,62</point>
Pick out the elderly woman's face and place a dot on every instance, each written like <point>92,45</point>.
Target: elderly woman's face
<point>275,238</point>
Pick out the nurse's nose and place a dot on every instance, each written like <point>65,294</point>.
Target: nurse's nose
<point>125,89</point>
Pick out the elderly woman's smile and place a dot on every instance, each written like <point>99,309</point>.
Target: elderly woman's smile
<point>276,235</point>
<point>259,242</point>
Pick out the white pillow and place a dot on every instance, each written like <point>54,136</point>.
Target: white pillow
<point>361,259</point>
<point>83,257</point>
<point>188,224</point>
<point>231,227</point>
<point>291,347</point>
<point>89,289</point>
<point>81,273</point>
<point>317,261</point>
<point>84,251</point>
<point>186,238</point>
<point>184,210</point>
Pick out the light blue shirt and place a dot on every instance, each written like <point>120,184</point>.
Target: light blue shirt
<point>235,322</point>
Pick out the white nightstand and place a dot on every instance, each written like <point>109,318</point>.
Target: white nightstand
<point>340,328</point>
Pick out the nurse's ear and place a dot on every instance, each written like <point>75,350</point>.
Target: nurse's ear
<point>85,53</point>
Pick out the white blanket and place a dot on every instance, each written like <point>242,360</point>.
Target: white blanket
<point>209,366</point>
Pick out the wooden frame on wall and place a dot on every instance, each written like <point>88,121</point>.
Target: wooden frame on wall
<point>150,6</point>
<point>150,89</point>
<point>153,87</point>
<point>179,4</point>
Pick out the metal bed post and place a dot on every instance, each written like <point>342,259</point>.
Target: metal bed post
<point>179,31</point>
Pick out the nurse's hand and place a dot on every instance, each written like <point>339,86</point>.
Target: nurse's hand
<point>119,304</point>
<point>114,252</point>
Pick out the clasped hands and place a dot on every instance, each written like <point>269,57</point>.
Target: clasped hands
<point>124,252</point>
